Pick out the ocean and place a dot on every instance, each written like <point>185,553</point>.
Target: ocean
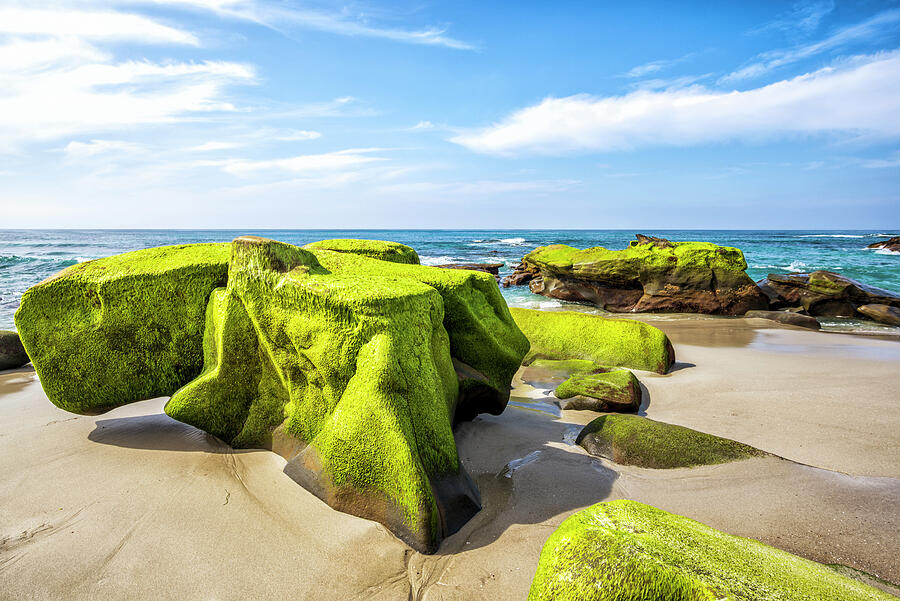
<point>29,256</point>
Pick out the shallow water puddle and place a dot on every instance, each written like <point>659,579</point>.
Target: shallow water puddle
<point>516,464</point>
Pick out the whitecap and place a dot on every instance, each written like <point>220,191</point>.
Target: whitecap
<point>549,304</point>
<point>834,235</point>
<point>439,260</point>
<point>797,266</point>
<point>886,251</point>
<point>513,241</point>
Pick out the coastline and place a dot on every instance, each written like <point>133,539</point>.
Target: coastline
<point>133,503</point>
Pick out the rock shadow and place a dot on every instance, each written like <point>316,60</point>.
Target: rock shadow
<point>156,432</point>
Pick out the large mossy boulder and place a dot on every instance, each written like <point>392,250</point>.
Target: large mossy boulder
<point>375,249</point>
<point>628,551</point>
<point>640,441</point>
<point>123,328</point>
<point>353,368</point>
<point>12,353</point>
<point>650,275</point>
<point>825,294</point>
<point>613,342</point>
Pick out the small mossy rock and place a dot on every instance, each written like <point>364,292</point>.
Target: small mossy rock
<point>786,317</point>
<point>121,329</point>
<point>650,275</point>
<point>601,389</point>
<point>640,441</point>
<point>346,366</point>
<point>12,353</point>
<point>627,551</point>
<point>383,250</point>
<point>881,313</point>
<point>614,342</point>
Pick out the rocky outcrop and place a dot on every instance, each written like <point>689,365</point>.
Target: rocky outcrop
<point>12,353</point>
<point>627,550</point>
<point>640,441</point>
<point>881,313</point>
<point>786,317</point>
<point>393,252</point>
<point>521,275</point>
<point>891,244</point>
<point>651,275</point>
<point>824,294</point>
<point>352,367</point>
<point>491,268</point>
<point>614,342</point>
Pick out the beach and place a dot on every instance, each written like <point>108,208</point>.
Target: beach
<point>133,504</point>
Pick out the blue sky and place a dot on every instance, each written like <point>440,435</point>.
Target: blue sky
<point>289,114</point>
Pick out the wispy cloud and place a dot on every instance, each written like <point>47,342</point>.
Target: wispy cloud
<point>481,188</point>
<point>283,18</point>
<point>91,24</point>
<point>868,31</point>
<point>893,161</point>
<point>656,66</point>
<point>81,150</point>
<point>803,17</point>
<point>310,163</point>
<point>858,96</point>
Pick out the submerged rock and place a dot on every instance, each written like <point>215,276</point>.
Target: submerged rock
<point>353,368</point>
<point>640,441</point>
<point>651,275</point>
<point>123,328</point>
<point>600,389</point>
<point>790,318</point>
<point>891,244</point>
<point>12,353</point>
<point>881,313</point>
<point>824,293</point>
<point>625,550</point>
<point>604,341</point>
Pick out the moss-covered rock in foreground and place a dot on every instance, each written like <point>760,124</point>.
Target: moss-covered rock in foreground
<point>375,249</point>
<point>650,275</point>
<point>628,551</point>
<point>125,328</point>
<point>600,389</point>
<point>614,342</point>
<point>634,440</point>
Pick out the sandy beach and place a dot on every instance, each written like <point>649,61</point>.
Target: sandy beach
<point>132,504</point>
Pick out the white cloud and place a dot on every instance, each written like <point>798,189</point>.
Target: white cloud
<point>330,161</point>
<point>803,17</point>
<point>481,188</point>
<point>81,150</point>
<point>91,25</point>
<point>281,18</point>
<point>858,96</point>
<point>213,146</point>
<point>293,135</point>
<point>865,31</point>
<point>422,125</point>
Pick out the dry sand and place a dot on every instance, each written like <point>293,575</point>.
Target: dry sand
<point>132,504</point>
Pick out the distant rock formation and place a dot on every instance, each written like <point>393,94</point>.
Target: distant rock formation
<point>891,244</point>
<point>651,275</point>
<point>824,294</point>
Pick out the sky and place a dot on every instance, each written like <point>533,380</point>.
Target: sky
<point>426,114</point>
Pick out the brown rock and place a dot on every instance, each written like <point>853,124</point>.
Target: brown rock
<point>891,244</point>
<point>881,313</point>
<point>824,293</point>
<point>786,317</point>
<point>12,353</point>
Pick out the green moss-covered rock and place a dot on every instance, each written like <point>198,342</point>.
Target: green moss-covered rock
<point>375,249</point>
<point>600,389</point>
<point>614,342</point>
<point>12,353</point>
<point>348,366</point>
<point>634,440</point>
<point>125,328</point>
<point>650,275</point>
<point>628,551</point>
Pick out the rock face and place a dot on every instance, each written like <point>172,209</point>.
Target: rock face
<point>600,389</point>
<point>353,368</point>
<point>651,275</point>
<point>491,268</point>
<point>640,441</point>
<point>787,318</point>
<point>625,550</point>
<point>881,313</point>
<point>824,294</point>
<point>891,244</point>
<point>123,328</point>
<point>614,342</point>
<point>12,353</point>
<point>393,252</point>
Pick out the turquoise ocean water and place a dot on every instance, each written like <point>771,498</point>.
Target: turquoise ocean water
<point>29,256</point>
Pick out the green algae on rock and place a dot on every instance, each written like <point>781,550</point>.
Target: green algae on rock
<point>650,275</point>
<point>614,342</point>
<point>640,441</point>
<point>121,329</point>
<point>627,551</point>
<point>375,249</point>
<point>600,389</point>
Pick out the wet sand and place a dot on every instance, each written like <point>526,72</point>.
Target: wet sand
<point>132,504</point>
